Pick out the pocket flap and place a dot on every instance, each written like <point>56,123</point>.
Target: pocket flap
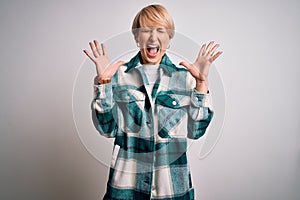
<point>173,100</point>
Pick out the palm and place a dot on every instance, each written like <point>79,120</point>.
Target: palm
<point>105,69</point>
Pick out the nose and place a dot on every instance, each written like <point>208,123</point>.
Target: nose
<point>153,36</point>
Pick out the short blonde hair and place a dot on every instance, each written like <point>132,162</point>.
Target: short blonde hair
<point>154,14</point>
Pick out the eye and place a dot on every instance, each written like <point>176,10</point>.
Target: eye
<point>145,30</point>
<point>161,30</point>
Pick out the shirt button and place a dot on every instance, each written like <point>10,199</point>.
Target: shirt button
<point>174,103</point>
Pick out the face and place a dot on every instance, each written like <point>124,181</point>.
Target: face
<point>153,41</point>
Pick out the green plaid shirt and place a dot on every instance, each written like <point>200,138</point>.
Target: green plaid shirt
<point>149,158</point>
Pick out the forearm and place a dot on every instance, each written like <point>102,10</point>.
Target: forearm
<point>200,114</point>
<point>102,110</point>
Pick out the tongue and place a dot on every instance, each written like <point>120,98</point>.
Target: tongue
<point>152,51</point>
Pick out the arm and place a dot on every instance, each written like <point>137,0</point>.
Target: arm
<point>200,113</point>
<point>102,104</point>
<point>102,110</point>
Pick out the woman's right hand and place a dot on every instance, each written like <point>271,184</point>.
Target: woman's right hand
<point>105,69</point>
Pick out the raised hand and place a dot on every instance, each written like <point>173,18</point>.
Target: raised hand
<point>200,68</point>
<point>105,69</point>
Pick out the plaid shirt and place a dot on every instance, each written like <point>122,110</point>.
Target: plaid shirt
<point>149,158</point>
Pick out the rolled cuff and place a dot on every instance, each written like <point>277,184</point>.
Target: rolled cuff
<point>200,100</point>
<point>103,91</point>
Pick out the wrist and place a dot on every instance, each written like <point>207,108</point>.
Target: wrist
<point>202,87</point>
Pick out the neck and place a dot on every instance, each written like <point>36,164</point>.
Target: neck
<point>144,62</point>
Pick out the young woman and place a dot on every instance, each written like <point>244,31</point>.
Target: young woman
<point>151,106</point>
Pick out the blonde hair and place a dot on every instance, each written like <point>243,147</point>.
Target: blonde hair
<point>155,14</point>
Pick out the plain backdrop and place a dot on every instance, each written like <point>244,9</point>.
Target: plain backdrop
<point>258,154</point>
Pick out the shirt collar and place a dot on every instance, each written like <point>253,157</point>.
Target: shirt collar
<point>166,64</point>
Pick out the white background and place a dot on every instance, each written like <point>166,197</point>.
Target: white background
<point>258,155</point>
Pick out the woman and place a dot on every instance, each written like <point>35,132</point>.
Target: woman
<point>150,106</point>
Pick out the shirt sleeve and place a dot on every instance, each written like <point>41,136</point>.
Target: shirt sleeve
<point>102,110</point>
<point>200,114</point>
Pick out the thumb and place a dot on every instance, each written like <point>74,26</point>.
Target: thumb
<point>120,63</point>
<point>190,68</point>
<point>117,65</point>
<point>185,64</point>
<point>111,70</point>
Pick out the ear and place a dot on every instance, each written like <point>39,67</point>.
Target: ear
<point>171,33</point>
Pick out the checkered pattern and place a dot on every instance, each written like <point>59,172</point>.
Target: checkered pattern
<point>150,129</point>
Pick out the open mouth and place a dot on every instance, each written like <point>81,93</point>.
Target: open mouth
<point>152,50</point>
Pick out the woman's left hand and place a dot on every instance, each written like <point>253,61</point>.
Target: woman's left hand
<point>200,68</point>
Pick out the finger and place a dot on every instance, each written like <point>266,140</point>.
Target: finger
<point>117,65</point>
<point>88,54</point>
<point>120,63</point>
<point>92,45</point>
<point>104,49</point>
<point>214,49</point>
<point>185,64</point>
<point>111,69</point>
<point>202,50</point>
<point>189,67</point>
<point>208,49</point>
<point>99,50</point>
<point>212,59</point>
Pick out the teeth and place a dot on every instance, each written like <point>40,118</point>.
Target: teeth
<point>152,46</point>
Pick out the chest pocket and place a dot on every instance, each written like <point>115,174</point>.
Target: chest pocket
<point>130,107</point>
<point>172,110</point>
